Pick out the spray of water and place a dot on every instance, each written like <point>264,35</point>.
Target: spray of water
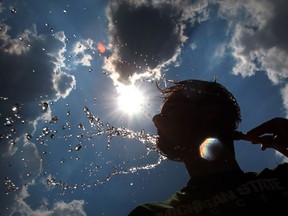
<point>48,133</point>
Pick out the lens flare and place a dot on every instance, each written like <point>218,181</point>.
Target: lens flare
<point>210,149</point>
<point>101,47</point>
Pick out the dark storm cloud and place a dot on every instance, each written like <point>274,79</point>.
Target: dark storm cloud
<point>147,35</point>
<point>31,73</point>
<point>31,70</point>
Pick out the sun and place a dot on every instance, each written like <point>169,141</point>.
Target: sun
<point>130,99</point>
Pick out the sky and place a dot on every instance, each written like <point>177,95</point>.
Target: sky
<point>69,145</point>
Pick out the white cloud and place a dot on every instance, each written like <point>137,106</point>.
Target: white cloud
<point>83,51</point>
<point>63,84</point>
<point>59,54</point>
<point>60,208</point>
<point>86,60</point>
<point>79,48</point>
<point>220,51</point>
<point>284,92</point>
<point>12,149</point>
<point>259,38</point>
<point>18,45</point>
<point>35,161</point>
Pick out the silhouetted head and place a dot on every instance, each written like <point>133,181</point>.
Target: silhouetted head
<point>192,111</point>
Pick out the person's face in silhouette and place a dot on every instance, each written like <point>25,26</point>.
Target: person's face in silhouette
<point>180,123</point>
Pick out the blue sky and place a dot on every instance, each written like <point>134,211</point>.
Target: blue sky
<point>49,54</point>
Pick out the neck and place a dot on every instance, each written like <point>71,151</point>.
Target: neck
<point>211,167</point>
<point>197,166</point>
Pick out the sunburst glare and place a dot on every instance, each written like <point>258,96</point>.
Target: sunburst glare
<point>130,99</point>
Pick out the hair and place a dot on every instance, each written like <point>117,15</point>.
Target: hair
<point>212,92</point>
<point>212,95</point>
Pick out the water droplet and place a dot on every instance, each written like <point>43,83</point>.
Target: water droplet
<point>4,98</point>
<point>81,126</point>
<point>28,136</point>
<point>15,108</point>
<point>9,121</point>
<point>44,106</point>
<point>12,142</point>
<point>45,131</point>
<point>13,10</point>
<point>78,147</point>
<point>62,160</point>
<point>54,119</point>
<point>85,109</point>
<point>79,136</point>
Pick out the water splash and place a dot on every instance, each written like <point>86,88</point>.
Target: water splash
<point>97,173</point>
<point>132,170</point>
<point>110,131</point>
<point>94,121</point>
<point>65,186</point>
<point>129,134</point>
<point>9,185</point>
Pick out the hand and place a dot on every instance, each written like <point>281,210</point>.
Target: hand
<point>272,134</point>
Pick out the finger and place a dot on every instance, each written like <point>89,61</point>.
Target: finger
<point>266,145</point>
<point>281,141</point>
<point>266,127</point>
<point>267,139</point>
